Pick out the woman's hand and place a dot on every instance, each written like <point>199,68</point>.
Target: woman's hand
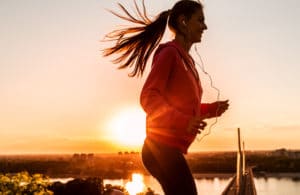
<point>196,123</point>
<point>218,108</point>
<point>222,106</point>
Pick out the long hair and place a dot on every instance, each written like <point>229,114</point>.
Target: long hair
<point>136,44</point>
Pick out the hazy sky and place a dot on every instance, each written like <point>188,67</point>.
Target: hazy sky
<point>58,94</point>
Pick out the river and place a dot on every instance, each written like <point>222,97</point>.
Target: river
<point>213,186</point>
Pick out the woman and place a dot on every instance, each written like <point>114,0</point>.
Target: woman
<point>171,96</point>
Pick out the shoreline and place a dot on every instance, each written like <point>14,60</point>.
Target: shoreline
<point>294,176</point>
<point>213,175</point>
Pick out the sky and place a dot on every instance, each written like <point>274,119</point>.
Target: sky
<point>58,94</point>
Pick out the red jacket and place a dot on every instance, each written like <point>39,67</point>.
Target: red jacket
<point>171,96</point>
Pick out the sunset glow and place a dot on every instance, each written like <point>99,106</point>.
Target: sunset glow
<point>60,95</point>
<point>127,127</point>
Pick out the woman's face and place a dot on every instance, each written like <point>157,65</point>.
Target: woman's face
<point>195,26</point>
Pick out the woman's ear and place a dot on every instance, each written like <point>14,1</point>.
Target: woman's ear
<point>181,21</point>
<point>182,24</point>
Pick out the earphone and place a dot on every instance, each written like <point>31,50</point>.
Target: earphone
<point>183,22</point>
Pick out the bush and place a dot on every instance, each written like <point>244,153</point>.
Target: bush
<point>24,183</point>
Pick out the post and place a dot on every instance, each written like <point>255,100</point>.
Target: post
<point>238,168</point>
<point>238,176</point>
<point>244,159</point>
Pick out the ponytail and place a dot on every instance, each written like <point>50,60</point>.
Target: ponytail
<point>135,44</point>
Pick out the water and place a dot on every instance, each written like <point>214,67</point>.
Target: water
<point>215,186</point>
<point>275,186</point>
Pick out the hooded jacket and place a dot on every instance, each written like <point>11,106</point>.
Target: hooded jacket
<point>171,97</point>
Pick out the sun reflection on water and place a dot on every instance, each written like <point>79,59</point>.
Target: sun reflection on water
<point>136,185</point>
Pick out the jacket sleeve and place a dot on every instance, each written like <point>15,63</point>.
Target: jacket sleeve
<point>208,110</point>
<point>153,100</point>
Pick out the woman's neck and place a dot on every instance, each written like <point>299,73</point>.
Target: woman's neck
<point>182,42</point>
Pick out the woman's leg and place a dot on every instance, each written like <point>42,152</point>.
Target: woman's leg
<point>169,167</point>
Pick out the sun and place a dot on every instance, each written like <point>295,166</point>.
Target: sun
<point>127,126</point>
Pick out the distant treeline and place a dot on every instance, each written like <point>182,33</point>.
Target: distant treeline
<point>278,161</point>
<point>121,166</point>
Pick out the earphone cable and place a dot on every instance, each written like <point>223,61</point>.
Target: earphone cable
<point>201,66</point>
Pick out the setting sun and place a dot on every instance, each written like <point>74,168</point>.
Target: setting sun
<point>127,126</point>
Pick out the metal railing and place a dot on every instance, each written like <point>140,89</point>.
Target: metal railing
<point>243,181</point>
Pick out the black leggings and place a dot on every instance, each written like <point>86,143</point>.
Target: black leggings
<point>169,167</point>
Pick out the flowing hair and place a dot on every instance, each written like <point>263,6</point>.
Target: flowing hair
<point>136,44</point>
